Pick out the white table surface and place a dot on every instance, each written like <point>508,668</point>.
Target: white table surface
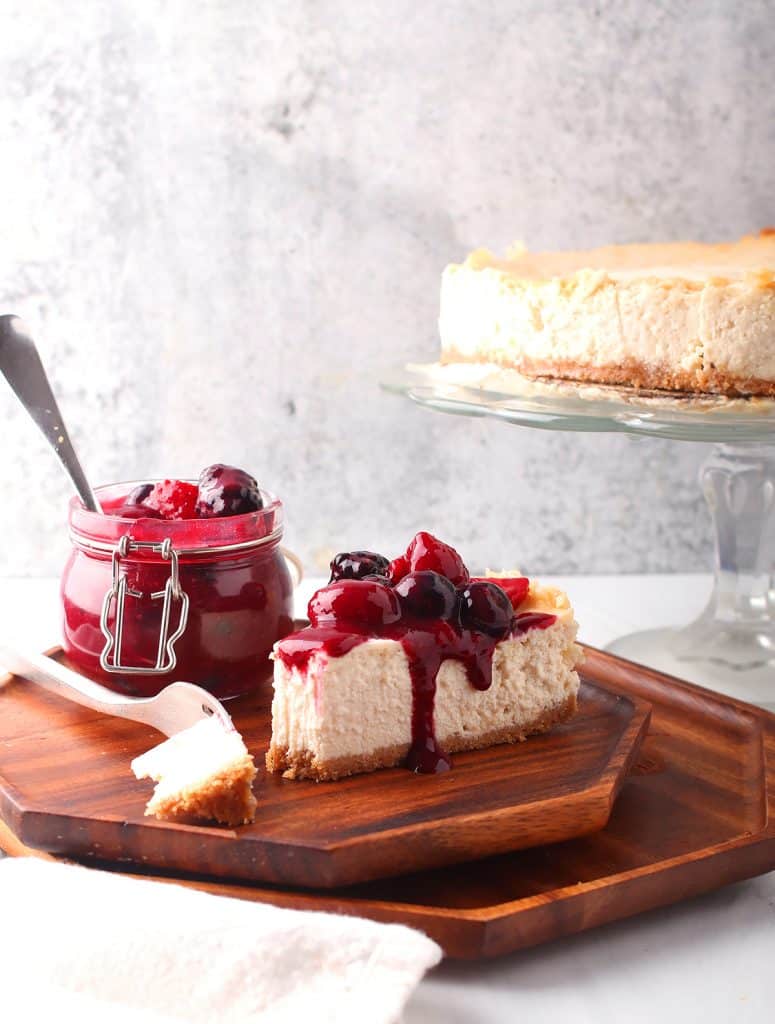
<point>705,960</point>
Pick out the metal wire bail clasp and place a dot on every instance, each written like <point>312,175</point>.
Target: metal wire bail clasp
<point>165,657</point>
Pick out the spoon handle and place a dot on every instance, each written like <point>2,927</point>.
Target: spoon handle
<point>21,365</point>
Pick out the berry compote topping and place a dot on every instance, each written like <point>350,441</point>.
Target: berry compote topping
<point>364,603</point>
<point>136,512</point>
<point>172,499</point>
<point>398,568</point>
<point>222,491</point>
<point>354,565</point>
<point>227,491</point>
<point>486,606</point>
<point>427,595</point>
<point>138,495</point>
<point>132,506</point>
<point>426,552</point>
<point>426,601</point>
<point>515,586</point>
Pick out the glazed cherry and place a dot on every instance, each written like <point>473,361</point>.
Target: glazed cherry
<point>516,587</point>
<point>364,603</point>
<point>172,499</point>
<point>354,565</point>
<point>427,552</point>
<point>486,608</point>
<point>226,491</point>
<point>427,595</point>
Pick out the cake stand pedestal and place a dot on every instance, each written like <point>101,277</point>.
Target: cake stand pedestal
<point>731,646</point>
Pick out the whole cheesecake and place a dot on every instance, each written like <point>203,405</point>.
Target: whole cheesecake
<point>409,661</point>
<point>682,316</point>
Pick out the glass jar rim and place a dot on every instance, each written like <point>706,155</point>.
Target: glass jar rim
<point>101,532</point>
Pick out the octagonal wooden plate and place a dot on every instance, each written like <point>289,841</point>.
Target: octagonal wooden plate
<point>66,788</point>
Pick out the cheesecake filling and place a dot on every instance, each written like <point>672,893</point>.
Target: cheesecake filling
<point>426,646</point>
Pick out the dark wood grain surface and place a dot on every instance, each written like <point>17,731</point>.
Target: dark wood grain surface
<point>66,787</point>
<point>696,812</point>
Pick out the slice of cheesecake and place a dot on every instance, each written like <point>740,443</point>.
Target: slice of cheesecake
<point>416,662</point>
<point>204,772</point>
<point>680,316</point>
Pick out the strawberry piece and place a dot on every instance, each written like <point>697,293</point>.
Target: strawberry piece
<point>173,499</point>
<point>397,569</point>
<point>426,552</point>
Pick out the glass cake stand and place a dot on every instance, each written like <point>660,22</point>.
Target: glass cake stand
<point>731,646</point>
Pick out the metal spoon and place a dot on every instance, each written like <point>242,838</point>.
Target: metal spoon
<point>23,369</point>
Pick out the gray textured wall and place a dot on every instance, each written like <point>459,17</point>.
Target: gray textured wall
<point>223,219</point>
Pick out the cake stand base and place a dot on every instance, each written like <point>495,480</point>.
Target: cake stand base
<point>750,677</point>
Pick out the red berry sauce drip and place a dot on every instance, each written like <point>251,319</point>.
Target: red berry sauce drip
<point>424,657</point>
<point>432,608</point>
<point>532,620</point>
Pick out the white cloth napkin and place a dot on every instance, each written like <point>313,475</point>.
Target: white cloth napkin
<point>86,945</point>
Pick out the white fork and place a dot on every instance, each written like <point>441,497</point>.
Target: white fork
<point>177,707</point>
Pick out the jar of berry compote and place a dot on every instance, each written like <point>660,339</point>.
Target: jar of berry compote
<point>149,600</point>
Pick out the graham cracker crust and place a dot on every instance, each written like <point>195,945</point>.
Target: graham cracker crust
<point>303,764</point>
<point>627,373</point>
<point>226,797</point>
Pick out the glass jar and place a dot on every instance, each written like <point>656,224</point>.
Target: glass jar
<point>149,601</point>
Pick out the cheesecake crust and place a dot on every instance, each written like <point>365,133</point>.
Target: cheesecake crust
<point>226,797</point>
<point>303,764</point>
<point>626,373</point>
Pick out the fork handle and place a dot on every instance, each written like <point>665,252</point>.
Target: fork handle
<point>62,681</point>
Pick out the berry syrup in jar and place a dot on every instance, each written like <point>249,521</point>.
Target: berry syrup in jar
<point>221,584</point>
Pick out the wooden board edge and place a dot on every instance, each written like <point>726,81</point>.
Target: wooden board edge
<point>632,894</point>
<point>607,660</point>
<point>12,846</point>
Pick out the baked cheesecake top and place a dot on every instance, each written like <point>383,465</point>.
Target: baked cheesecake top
<point>751,259</point>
